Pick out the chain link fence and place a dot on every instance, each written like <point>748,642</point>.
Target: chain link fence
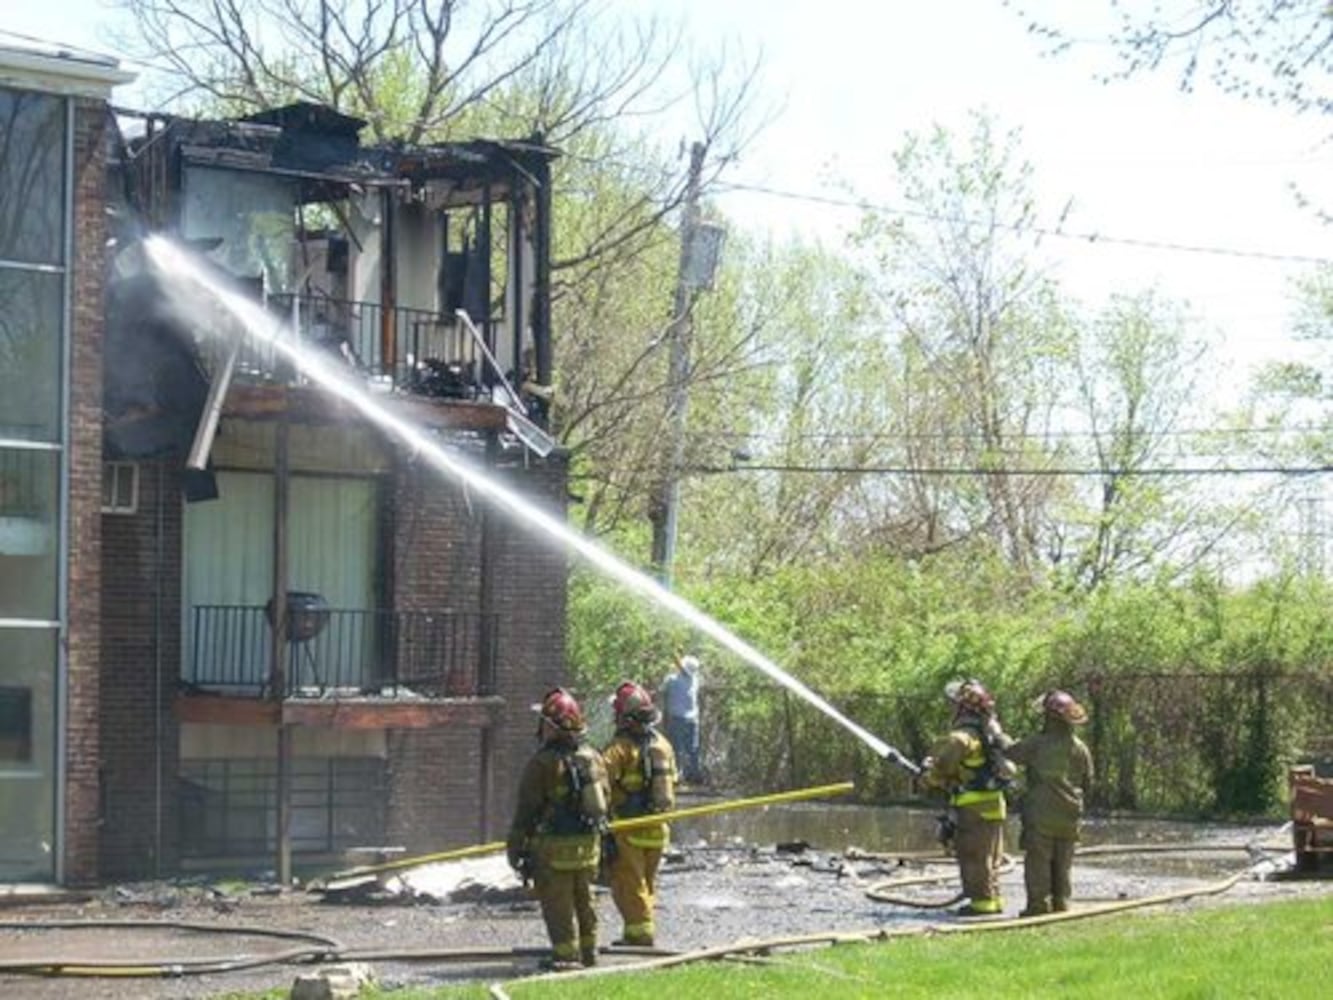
<point>1202,744</point>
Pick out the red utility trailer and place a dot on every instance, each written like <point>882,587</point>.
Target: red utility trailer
<point>1311,787</point>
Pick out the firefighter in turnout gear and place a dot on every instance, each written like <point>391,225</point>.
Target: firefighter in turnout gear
<point>1057,768</point>
<point>642,769</point>
<point>562,811</point>
<point>968,765</point>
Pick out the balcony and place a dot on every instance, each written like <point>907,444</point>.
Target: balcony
<point>342,654</point>
<point>430,354</point>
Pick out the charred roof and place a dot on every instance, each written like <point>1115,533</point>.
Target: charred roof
<point>304,116</point>
<point>321,145</point>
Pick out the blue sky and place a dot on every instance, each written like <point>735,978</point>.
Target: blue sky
<point>1140,160</point>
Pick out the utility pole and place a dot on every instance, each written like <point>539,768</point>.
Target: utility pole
<point>666,505</point>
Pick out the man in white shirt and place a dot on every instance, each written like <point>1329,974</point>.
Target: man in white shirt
<point>680,702</point>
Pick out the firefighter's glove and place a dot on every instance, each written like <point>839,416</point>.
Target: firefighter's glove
<point>995,733</point>
<point>945,828</point>
<point>526,868</point>
<point>609,849</point>
<point>927,780</point>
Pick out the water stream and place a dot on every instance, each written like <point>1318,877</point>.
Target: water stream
<point>186,278</point>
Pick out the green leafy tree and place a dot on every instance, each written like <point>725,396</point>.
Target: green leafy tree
<point>779,443</point>
<point>968,311</point>
<point>1139,378</point>
<point>1277,51</point>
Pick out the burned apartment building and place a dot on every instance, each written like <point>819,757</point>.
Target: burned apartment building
<point>190,718</point>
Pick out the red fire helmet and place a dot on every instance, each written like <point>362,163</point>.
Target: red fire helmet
<point>561,710</point>
<point>633,704</point>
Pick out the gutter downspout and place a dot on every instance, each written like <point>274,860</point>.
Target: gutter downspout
<point>388,287</point>
<point>157,677</point>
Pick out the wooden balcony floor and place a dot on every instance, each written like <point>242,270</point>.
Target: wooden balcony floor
<point>359,712</point>
<point>311,405</point>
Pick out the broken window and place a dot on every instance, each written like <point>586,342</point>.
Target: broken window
<point>254,216</point>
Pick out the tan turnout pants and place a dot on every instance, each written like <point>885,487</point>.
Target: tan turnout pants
<point>979,844</point>
<point>1046,864</point>
<point>566,902</point>
<point>634,888</point>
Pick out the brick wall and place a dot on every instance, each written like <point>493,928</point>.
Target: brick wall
<point>82,761</point>
<point>530,597</point>
<point>433,555</point>
<point>434,547</point>
<point>433,788</point>
<point>141,615</point>
<point>439,533</point>
<point>435,533</point>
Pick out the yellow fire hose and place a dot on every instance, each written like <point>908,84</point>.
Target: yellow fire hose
<point>321,949</point>
<point>881,892</point>
<point>618,826</point>
<point>310,948</point>
<point>769,945</point>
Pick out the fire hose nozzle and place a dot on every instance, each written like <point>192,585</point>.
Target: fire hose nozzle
<point>895,756</point>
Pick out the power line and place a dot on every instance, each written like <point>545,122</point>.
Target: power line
<point>983,472</point>
<point>724,187</point>
<point>1085,237</point>
<point>965,436</point>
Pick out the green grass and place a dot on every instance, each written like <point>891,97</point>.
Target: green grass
<point>1278,950</point>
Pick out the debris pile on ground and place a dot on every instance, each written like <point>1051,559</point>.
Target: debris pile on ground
<point>487,879</point>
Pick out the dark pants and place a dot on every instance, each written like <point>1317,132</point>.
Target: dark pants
<point>684,737</point>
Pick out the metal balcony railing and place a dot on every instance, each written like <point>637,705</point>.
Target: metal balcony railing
<point>230,806</point>
<point>435,654</point>
<point>433,354</point>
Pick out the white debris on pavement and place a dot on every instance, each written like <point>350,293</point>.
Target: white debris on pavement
<point>486,877</point>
